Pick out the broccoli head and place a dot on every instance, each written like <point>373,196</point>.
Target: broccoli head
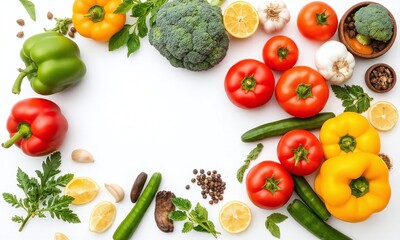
<point>374,21</point>
<point>190,34</point>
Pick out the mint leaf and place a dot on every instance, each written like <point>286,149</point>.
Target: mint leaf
<point>177,215</point>
<point>187,227</point>
<point>182,204</point>
<point>271,223</point>
<point>250,157</point>
<point>30,8</point>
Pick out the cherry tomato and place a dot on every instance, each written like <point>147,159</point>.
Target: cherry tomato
<point>280,53</point>
<point>317,21</point>
<point>249,83</point>
<point>300,152</point>
<point>269,185</point>
<point>302,91</point>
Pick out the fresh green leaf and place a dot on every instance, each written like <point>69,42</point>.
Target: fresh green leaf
<point>271,223</point>
<point>277,217</point>
<point>120,38</point>
<point>353,97</point>
<point>124,7</point>
<point>197,218</point>
<point>182,204</point>
<point>42,193</point>
<point>250,157</point>
<point>133,44</point>
<point>142,27</point>
<point>273,229</point>
<point>177,215</point>
<point>141,9</point>
<point>30,8</point>
<point>187,227</point>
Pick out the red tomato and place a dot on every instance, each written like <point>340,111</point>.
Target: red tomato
<point>317,21</point>
<point>300,152</point>
<point>280,53</point>
<point>302,91</point>
<point>249,83</point>
<point>269,185</point>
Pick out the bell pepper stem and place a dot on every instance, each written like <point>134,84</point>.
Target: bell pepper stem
<point>359,187</point>
<point>96,13</point>
<point>16,89</point>
<point>24,131</point>
<point>347,143</point>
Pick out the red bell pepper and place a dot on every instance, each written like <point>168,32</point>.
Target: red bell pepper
<point>37,126</point>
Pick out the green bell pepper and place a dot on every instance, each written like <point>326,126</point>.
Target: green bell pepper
<point>52,63</point>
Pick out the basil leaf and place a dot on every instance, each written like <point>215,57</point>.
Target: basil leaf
<point>133,44</point>
<point>141,9</point>
<point>277,217</point>
<point>124,7</point>
<point>142,27</point>
<point>119,39</point>
<point>30,8</point>
<point>273,229</point>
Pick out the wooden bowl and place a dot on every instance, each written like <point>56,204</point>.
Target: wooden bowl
<point>369,75</point>
<point>341,32</point>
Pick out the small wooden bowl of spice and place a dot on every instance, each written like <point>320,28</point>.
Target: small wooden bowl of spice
<point>380,78</point>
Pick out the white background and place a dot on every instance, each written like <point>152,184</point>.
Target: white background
<point>141,114</point>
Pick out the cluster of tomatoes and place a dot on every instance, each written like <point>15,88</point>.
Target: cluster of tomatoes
<point>301,91</point>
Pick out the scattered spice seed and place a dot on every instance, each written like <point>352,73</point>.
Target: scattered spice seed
<point>386,159</point>
<point>211,185</point>
<point>73,29</point>
<point>20,34</point>
<point>71,34</point>
<point>21,22</point>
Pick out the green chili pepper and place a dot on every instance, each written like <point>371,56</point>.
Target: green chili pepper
<point>52,63</point>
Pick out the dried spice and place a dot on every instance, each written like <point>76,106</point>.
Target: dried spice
<point>211,185</point>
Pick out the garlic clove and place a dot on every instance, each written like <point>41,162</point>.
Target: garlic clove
<point>115,190</point>
<point>82,156</point>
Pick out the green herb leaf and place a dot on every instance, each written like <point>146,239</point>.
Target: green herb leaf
<point>353,97</point>
<point>120,38</point>
<point>42,193</point>
<point>30,8</point>
<point>197,218</point>
<point>141,9</point>
<point>250,157</point>
<point>182,204</point>
<point>124,7</point>
<point>271,223</point>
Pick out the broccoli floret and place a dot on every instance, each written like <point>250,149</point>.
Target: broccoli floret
<point>190,34</point>
<point>374,21</point>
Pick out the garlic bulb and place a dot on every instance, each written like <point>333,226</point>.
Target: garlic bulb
<point>274,15</point>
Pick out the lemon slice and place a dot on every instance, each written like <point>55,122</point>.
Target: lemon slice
<point>383,115</point>
<point>102,217</point>
<point>60,236</point>
<point>82,189</point>
<point>235,217</point>
<point>241,19</point>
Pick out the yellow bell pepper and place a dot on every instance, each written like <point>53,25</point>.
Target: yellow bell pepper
<point>346,133</point>
<point>353,186</point>
<point>96,19</point>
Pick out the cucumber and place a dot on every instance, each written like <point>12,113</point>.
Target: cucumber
<point>306,217</point>
<point>310,198</point>
<point>128,226</point>
<point>283,126</point>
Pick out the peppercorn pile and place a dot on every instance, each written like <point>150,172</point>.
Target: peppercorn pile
<point>211,184</point>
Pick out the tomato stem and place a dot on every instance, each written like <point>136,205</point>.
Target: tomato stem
<point>321,18</point>
<point>347,143</point>
<point>283,53</point>
<point>96,13</point>
<point>248,83</point>
<point>300,154</point>
<point>271,184</point>
<point>359,187</point>
<point>303,91</point>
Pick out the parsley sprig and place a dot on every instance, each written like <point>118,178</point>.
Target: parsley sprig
<point>130,34</point>
<point>197,217</point>
<point>250,157</point>
<point>42,193</point>
<point>353,97</point>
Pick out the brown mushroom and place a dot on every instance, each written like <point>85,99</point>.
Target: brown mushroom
<point>163,207</point>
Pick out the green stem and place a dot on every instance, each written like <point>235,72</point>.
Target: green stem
<point>300,154</point>
<point>271,184</point>
<point>283,53</point>
<point>322,19</point>
<point>96,13</point>
<point>25,221</point>
<point>347,143</point>
<point>24,131</point>
<point>16,89</point>
<point>359,187</point>
<point>193,220</point>
<point>303,91</point>
<point>248,83</point>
